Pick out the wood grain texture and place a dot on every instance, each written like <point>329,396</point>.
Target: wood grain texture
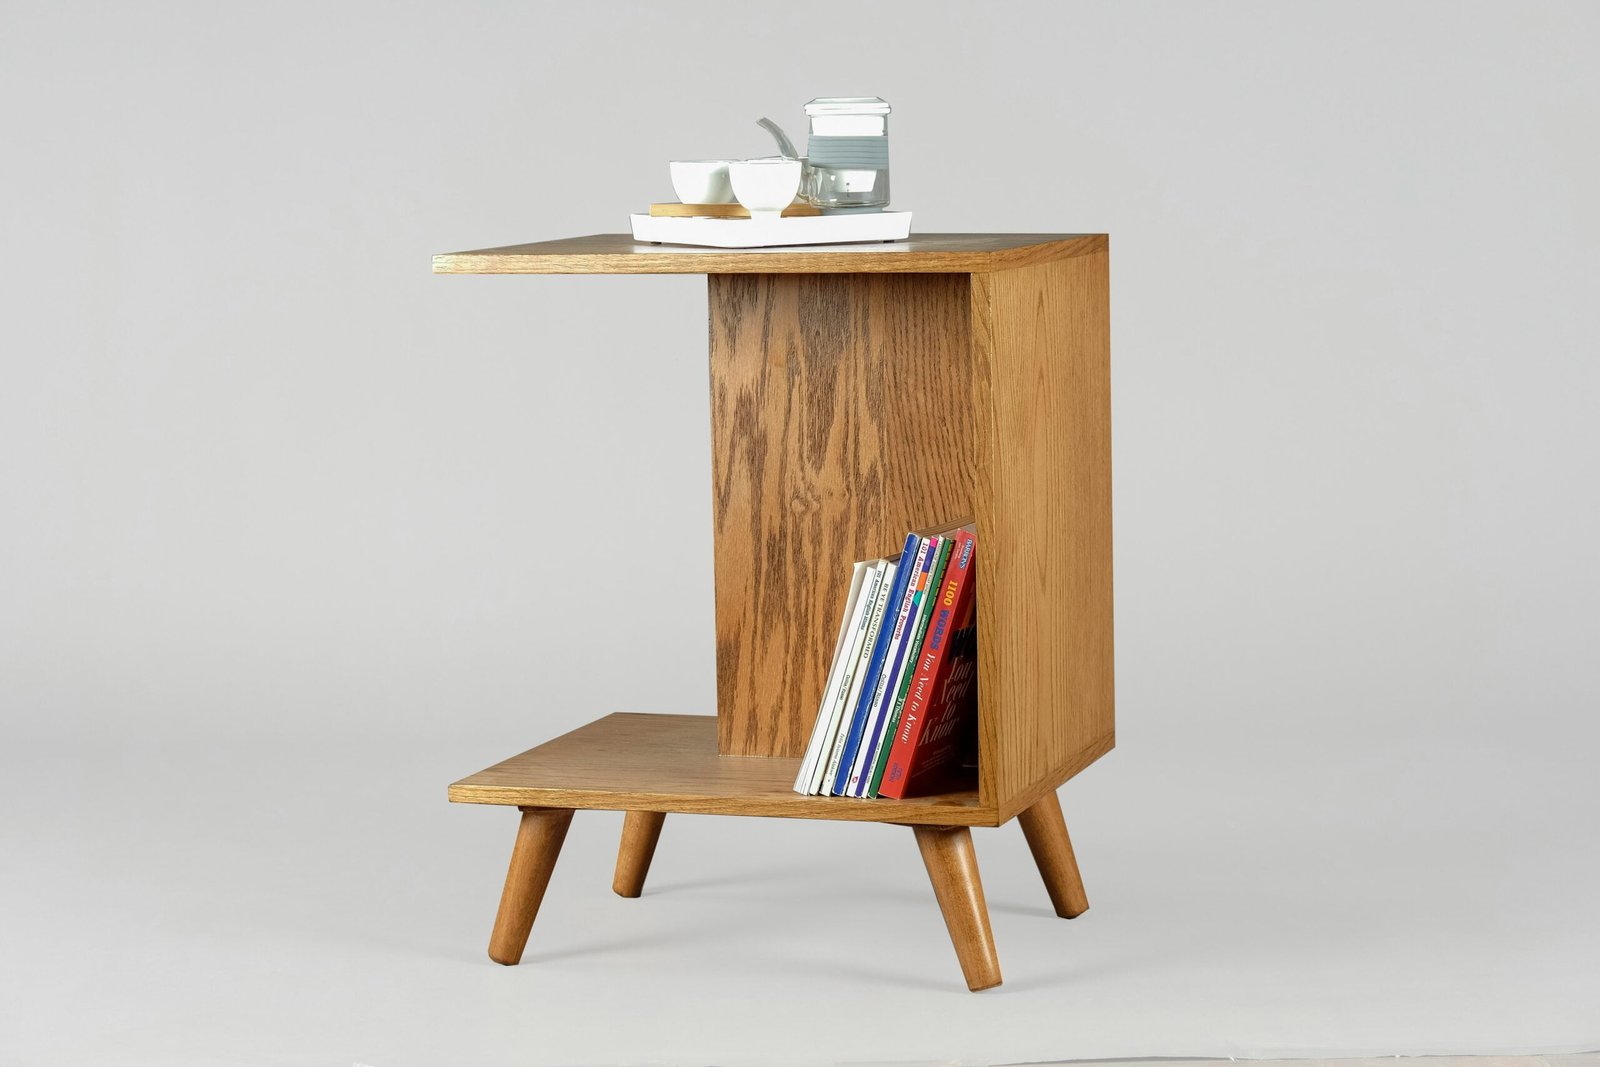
<point>953,870</point>
<point>669,763</point>
<point>841,417</point>
<point>924,253</point>
<point>640,832</point>
<point>1018,802</point>
<point>539,838</point>
<point>1041,350</point>
<point>1046,833</point>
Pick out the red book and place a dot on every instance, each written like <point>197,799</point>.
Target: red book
<point>944,696</point>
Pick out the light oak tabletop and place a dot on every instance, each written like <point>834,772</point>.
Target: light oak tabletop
<point>926,253</point>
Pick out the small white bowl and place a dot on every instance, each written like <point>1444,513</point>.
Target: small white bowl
<point>765,186</point>
<point>701,181</point>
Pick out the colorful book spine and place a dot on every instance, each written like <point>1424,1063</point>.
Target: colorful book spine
<point>919,636</point>
<point>808,765</point>
<point>893,668</point>
<point>880,649</point>
<point>830,777</point>
<point>937,699</point>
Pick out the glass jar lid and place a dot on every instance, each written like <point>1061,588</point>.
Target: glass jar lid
<point>847,105</point>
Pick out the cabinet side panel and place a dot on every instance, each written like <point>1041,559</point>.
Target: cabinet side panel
<point>1042,359</point>
<point>841,417</point>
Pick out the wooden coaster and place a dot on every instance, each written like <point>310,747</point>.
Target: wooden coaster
<point>722,211</point>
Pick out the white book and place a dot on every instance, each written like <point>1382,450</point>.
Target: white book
<point>835,665</point>
<point>847,713</point>
<point>870,582</point>
<point>897,618</point>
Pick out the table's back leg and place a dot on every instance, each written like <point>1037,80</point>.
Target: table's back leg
<point>1046,831</point>
<point>533,857</point>
<point>953,869</point>
<point>640,831</point>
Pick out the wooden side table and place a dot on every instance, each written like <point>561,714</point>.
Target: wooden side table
<point>858,392</point>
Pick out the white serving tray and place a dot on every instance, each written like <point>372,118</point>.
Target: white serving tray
<point>765,233</point>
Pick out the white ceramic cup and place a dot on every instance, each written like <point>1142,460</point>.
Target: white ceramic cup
<point>701,181</point>
<point>765,186</point>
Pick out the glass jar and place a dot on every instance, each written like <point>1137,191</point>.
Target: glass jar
<point>847,153</point>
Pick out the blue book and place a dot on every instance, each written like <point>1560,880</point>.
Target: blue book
<point>889,680</point>
<point>858,715</point>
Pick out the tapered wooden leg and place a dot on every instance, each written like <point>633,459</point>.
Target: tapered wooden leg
<point>640,831</point>
<point>533,857</point>
<point>953,869</point>
<point>1046,832</point>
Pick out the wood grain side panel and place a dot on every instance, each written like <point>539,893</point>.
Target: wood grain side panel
<point>1042,353</point>
<point>841,417</point>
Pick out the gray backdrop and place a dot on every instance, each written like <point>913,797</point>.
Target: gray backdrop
<point>293,533</point>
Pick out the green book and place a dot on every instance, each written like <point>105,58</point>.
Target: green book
<point>913,657</point>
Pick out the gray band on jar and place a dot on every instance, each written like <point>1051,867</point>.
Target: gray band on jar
<point>863,152</point>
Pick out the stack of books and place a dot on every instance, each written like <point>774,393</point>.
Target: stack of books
<point>899,710</point>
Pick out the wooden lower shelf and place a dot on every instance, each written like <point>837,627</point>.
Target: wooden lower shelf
<point>669,763</point>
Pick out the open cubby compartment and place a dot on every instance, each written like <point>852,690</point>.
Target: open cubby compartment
<point>847,409</point>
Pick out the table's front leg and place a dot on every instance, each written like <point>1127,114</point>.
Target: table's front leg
<point>533,857</point>
<point>953,869</point>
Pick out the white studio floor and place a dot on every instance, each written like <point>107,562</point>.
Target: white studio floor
<point>289,902</point>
